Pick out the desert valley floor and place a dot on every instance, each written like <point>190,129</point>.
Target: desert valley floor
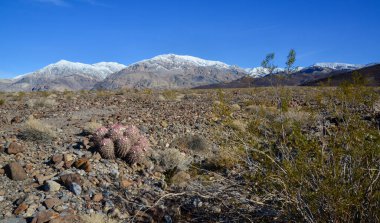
<point>196,168</point>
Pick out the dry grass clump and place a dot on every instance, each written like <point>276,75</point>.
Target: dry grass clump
<point>91,127</point>
<point>173,159</point>
<point>35,130</point>
<point>194,144</point>
<point>96,218</point>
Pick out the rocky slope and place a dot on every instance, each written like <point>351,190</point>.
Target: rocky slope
<point>172,71</point>
<point>63,75</point>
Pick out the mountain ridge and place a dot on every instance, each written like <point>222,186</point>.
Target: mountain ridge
<point>162,71</point>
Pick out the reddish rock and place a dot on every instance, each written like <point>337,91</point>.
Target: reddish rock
<point>15,148</point>
<point>51,202</point>
<point>97,197</point>
<point>15,171</point>
<point>57,158</point>
<point>84,164</point>
<point>2,171</point>
<point>45,216</point>
<point>68,179</point>
<point>124,183</point>
<point>21,208</point>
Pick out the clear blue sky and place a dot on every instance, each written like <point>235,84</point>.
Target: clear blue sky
<point>34,33</point>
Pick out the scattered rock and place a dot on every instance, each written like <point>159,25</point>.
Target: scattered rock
<point>125,183</point>
<point>52,186</point>
<point>75,188</point>
<point>68,159</point>
<point>15,171</point>
<point>45,216</point>
<point>15,148</point>
<point>13,220</point>
<point>41,178</point>
<point>97,197</point>
<point>21,208</point>
<point>84,164</point>
<point>57,158</point>
<point>51,202</point>
<point>67,179</point>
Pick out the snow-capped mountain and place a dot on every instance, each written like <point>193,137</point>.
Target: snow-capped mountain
<point>339,66</point>
<point>172,71</point>
<point>64,75</point>
<point>171,61</point>
<point>64,67</point>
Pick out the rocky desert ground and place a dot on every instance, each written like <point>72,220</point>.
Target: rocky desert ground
<point>201,163</point>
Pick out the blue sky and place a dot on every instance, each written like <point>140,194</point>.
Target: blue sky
<point>35,33</point>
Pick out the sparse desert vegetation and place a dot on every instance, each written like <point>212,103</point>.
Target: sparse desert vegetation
<point>227,155</point>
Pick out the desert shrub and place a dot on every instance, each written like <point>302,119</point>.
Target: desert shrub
<point>192,143</point>
<point>19,96</point>
<point>325,171</point>
<point>169,94</point>
<point>91,127</point>
<point>221,108</point>
<point>173,159</point>
<point>2,101</point>
<point>35,130</point>
<point>174,164</point>
<point>41,102</point>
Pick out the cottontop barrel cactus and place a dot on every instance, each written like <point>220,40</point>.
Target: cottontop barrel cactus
<point>125,142</point>
<point>107,149</point>
<point>123,145</point>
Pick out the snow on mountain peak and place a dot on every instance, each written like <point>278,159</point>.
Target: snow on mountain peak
<point>339,66</point>
<point>180,60</point>
<point>99,70</point>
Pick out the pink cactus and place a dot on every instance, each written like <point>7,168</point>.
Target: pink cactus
<point>99,135</point>
<point>123,145</point>
<point>116,131</point>
<point>107,149</point>
<point>133,133</point>
<point>125,142</point>
<point>136,154</point>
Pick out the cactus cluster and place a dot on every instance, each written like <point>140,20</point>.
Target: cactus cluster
<point>125,142</point>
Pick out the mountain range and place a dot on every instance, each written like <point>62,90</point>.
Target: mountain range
<point>160,72</point>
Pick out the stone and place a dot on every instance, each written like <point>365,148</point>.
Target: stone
<point>97,197</point>
<point>45,216</point>
<point>41,178</point>
<point>15,148</point>
<point>21,208</point>
<point>51,202</point>
<point>125,183</point>
<point>68,159</point>
<point>84,164</point>
<point>75,188</point>
<point>2,198</point>
<point>31,210</point>
<point>15,171</point>
<point>67,179</point>
<point>57,158</point>
<point>13,220</point>
<point>52,186</point>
